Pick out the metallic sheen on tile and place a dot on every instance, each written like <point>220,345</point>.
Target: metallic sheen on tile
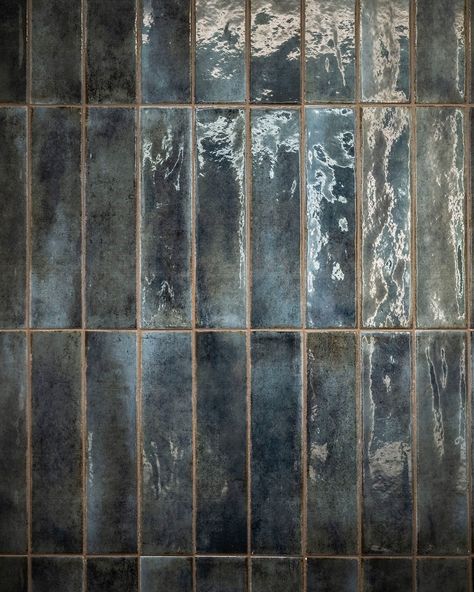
<point>278,574</point>
<point>57,574</point>
<point>387,575</point>
<point>114,574</point>
<point>448,575</point>
<point>216,574</point>
<point>166,574</point>
<point>14,574</point>
<point>332,575</point>
<point>13,51</point>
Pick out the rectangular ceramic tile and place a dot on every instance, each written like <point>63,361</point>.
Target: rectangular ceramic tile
<point>166,512</point>
<point>221,443</point>
<point>111,58</point>
<point>56,51</point>
<point>119,574</point>
<point>57,574</point>
<point>332,444</point>
<point>14,574</point>
<point>13,51</point>
<point>166,574</point>
<point>387,575</point>
<point>449,575</point>
<point>275,51</point>
<point>110,232</point>
<point>220,218</point>
<point>387,467</point>
<point>330,218</point>
<point>56,218</point>
<point>56,443</point>
<point>166,218</point>
<point>215,574</point>
<point>332,575</point>
<point>165,51</point>
<point>275,219</point>
<point>330,50</point>
<point>441,443</point>
<point>13,227</point>
<point>440,229</point>
<point>111,440</point>
<point>385,50</point>
<point>13,443</point>
<point>282,574</point>
<point>440,58</point>
<point>386,219</point>
<point>220,51</point>
<point>276,434</point>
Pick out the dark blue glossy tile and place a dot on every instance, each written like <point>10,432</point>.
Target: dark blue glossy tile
<point>282,574</point>
<point>275,219</point>
<point>56,218</point>
<point>449,575</point>
<point>166,574</point>
<point>441,443</point>
<point>166,218</point>
<point>332,575</point>
<point>276,442</point>
<point>57,574</point>
<point>216,574</point>
<point>220,218</point>
<point>167,443</point>
<point>114,574</point>
<point>330,218</point>
<point>387,575</point>
<point>13,51</point>
<point>110,232</point>
<point>332,444</point>
<point>386,416</point>
<point>111,439</point>
<point>221,443</point>
<point>14,574</point>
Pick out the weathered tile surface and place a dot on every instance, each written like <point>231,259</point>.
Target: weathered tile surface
<point>282,574</point>
<point>117,574</point>
<point>449,575</point>
<point>13,51</point>
<point>14,574</point>
<point>387,575</point>
<point>166,574</point>
<point>332,575</point>
<point>215,574</point>
<point>57,574</point>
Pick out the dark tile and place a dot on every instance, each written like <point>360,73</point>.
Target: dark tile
<point>56,443</point>
<point>449,575</point>
<point>13,574</point>
<point>441,443</point>
<point>275,219</point>
<point>56,218</point>
<point>332,444</point>
<point>166,52</point>
<point>114,574</point>
<point>57,574</point>
<point>110,232</point>
<point>330,211</point>
<point>332,575</point>
<point>276,434</point>
<point>387,575</point>
<point>13,51</point>
<point>275,51</point>
<point>220,218</point>
<point>280,574</point>
<point>111,417</point>
<point>221,443</point>
<point>386,218</point>
<point>166,574</point>
<point>386,416</point>
<point>219,574</point>
<point>167,443</point>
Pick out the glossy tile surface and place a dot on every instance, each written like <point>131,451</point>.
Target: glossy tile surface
<point>332,575</point>
<point>165,574</point>
<point>387,575</point>
<point>14,574</point>
<point>13,51</point>
<point>450,575</point>
<point>215,574</point>
<point>57,574</point>
<point>277,574</point>
<point>119,574</point>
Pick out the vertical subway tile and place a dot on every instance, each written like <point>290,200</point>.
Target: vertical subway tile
<point>117,574</point>
<point>14,574</point>
<point>215,574</point>
<point>56,443</point>
<point>332,444</point>
<point>111,439</point>
<point>166,574</point>
<point>276,434</point>
<point>167,443</point>
<point>166,218</point>
<point>449,575</point>
<point>220,218</point>
<point>13,51</point>
<point>220,51</point>
<point>330,50</point>
<point>386,220</point>
<point>56,218</point>
<point>57,574</point>
<point>387,575</point>
<point>440,225</point>
<point>166,51</point>
<point>110,232</point>
<point>330,218</point>
<point>386,416</point>
<point>275,51</point>
<point>278,574</point>
<point>13,443</point>
<point>221,443</point>
<point>275,218</point>
<point>332,575</point>
<point>441,443</point>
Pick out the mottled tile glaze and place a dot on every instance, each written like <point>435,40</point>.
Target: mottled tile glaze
<point>275,51</point>
<point>387,467</point>
<point>275,219</point>
<point>114,574</point>
<point>166,511</point>
<point>330,218</point>
<point>220,218</point>
<point>220,50</point>
<point>441,443</point>
<point>282,574</point>
<point>386,219</point>
<point>387,575</point>
<point>440,52</point>
<point>166,574</point>
<point>56,443</point>
<point>165,51</point>
<point>110,232</point>
<point>14,574</point>
<point>56,218</point>
<point>276,434</point>
<point>219,574</point>
<point>440,213</point>
<point>332,575</point>
<point>111,443</point>
<point>13,51</point>
<point>13,443</point>
<point>332,444</point>
<point>57,574</point>
<point>449,575</point>
<point>166,218</point>
<point>330,50</point>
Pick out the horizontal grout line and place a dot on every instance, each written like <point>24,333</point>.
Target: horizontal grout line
<point>244,330</point>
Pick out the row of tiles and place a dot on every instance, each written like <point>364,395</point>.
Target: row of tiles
<point>222,205</point>
<point>332,426</point>
<point>220,48</point>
